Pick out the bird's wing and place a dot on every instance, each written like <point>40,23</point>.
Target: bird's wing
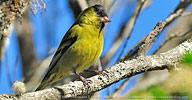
<point>66,42</point>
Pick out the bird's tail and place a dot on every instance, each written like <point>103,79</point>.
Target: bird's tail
<point>41,87</point>
<point>47,80</point>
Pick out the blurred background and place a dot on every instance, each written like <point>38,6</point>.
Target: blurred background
<point>37,35</point>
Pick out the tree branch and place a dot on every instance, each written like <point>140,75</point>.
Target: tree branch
<point>150,38</point>
<point>114,74</point>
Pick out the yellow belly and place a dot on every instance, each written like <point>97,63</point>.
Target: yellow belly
<point>89,52</point>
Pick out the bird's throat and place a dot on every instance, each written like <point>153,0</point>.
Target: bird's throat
<point>102,25</point>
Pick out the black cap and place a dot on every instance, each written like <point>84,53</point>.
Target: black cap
<point>100,10</point>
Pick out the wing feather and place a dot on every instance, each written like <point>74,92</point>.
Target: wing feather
<point>65,44</point>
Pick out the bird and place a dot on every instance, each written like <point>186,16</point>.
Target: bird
<point>80,47</point>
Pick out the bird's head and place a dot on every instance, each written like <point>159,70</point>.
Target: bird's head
<point>94,15</point>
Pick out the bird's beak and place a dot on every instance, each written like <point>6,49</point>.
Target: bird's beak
<point>105,19</point>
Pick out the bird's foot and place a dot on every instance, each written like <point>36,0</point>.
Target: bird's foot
<point>84,80</point>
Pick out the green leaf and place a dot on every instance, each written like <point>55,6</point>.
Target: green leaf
<point>188,57</point>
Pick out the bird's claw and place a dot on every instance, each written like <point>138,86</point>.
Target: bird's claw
<point>85,81</point>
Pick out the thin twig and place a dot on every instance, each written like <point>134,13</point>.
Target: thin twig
<point>178,11</point>
<point>150,38</point>
<point>15,68</point>
<point>8,72</point>
<point>187,14</point>
<point>132,23</point>
<point>172,37</point>
<point>133,51</point>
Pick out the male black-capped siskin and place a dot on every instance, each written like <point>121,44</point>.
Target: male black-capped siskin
<point>80,47</point>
